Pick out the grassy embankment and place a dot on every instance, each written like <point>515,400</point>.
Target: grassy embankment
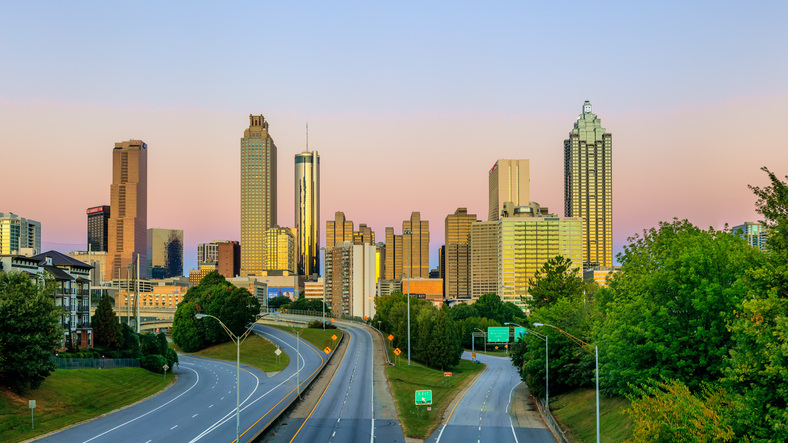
<point>69,396</point>
<point>406,380</point>
<point>255,351</point>
<point>576,412</point>
<point>316,336</point>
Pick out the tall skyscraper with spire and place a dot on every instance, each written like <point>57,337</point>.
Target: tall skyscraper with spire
<point>128,222</point>
<point>588,186</point>
<point>307,212</point>
<point>258,194</point>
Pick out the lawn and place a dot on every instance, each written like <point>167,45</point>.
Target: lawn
<point>69,396</point>
<point>317,336</point>
<point>576,412</point>
<point>406,380</point>
<point>255,351</point>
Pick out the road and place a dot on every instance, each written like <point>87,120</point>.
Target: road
<point>484,413</point>
<point>346,412</point>
<point>201,405</point>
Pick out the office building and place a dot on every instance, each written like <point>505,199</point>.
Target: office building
<point>350,279</point>
<point>314,289</point>
<point>509,181</point>
<point>255,287</point>
<point>753,233</point>
<point>229,258</point>
<point>307,212</point>
<point>393,256</point>
<point>258,194</point>
<point>484,258</point>
<point>416,247</point>
<point>208,252</point>
<point>430,289</point>
<point>196,275</point>
<point>98,260</point>
<point>165,253</point>
<point>338,230</point>
<point>588,186</point>
<point>19,236</point>
<point>280,251</point>
<point>364,235</point>
<point>128,221</point>
<point>98,228</point>
<point>600,274</point>
<point>457,261</point>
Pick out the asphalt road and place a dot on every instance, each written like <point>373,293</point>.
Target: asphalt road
<point>483,412</point>
<point>346,410</point>
<point>201,405</point>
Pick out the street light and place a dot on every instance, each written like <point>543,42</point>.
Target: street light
<point>546,361</point>
<point>238,340</point>
<point>408,232</point>
<point>325,251</point>
<point>585,347</point>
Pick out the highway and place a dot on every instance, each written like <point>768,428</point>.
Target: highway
<point>348,409</point>
<point>484,411</point>
<point>201,405</point>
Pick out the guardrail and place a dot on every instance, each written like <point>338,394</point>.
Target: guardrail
<point>552,424</point>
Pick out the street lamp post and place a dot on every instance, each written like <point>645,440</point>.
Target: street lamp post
<point>410,264</point>
<point>325,251</point>
<point>546,361</point>
<point>238,340</point>
<point>585,347</point>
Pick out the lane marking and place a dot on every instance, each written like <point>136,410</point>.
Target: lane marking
<point>458,402</point>
<point>511,424</point>
<point>173,427</point>
<point>194,415</point>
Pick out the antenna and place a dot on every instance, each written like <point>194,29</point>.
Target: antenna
<point>307,136</point>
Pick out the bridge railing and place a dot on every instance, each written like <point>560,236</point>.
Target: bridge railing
<point>329,315</point>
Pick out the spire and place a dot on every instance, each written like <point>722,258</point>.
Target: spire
<point>307,136</point>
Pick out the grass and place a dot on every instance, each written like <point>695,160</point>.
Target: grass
<point>255,351</point>
<point>576,412</point>
<point>501,352</point>
<point>70,396</point>
<point>317,336</point>
<point>406,380</point>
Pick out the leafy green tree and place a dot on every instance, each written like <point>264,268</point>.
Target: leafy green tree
<point>106,328</point>
<point>490,306</point>
<point>446,349</point>
<point>187,331</point>
<point>463,311</point>
<point>282,301</point>
<point>130,341</point>
<point>30,331</point>
<point>305,304</point>
<point>666,314</point>
<point>558,278</point>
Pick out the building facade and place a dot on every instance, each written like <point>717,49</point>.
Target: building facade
<point>350,279</point>
<point>18,235</point>
<point>208,252</point>
<point>229,258</point>
<point>484,258</point>
<point>165,253</point>
<point>281,250</point>
<point>258,194</point>
<point>416,247</point>
<point>98,228</point>
<point>754,233</point>
<point>364,235</point>
<point>96,259</point>
<point>307,212</point>
<point>128,221</point>
<point>338,230</point>
<point>588,186</point>
<point>509,181</point>
<point>456,261</point>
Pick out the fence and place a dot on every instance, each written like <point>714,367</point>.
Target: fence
<point>95,363</point>
<point>558,433</point>
<point>329,314</point>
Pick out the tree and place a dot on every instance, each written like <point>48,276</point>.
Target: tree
<point>106,328</point>
<point>489,306</point>
<point>558,278</point>
<point>30,331</point>
<point>279,302</point>
<point>666,314</point>
<point>446,349</point>
<point>463,311</point>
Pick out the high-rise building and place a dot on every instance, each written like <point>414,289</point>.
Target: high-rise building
<point>18,235</point>
<point>258,194</point>
<point>338,230</point>
<point>350,279</point>
<point>281,250</point>
<point>484,258</point>
<point>98,228</point>
<point>208,252</point>
<point>416,247</point>
<point>229,258</point>
<point>96,259</point>
<point>393,256</point>
<point>165,253</point>
<point>509,181</point>
<point>307,212</point>
<point>128,221</point>
<point>754,233</point>
<point>364,235</point>
<point>457,259</point>
<point>588,186</point>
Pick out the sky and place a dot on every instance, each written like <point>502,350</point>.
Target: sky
<point>409,105</point>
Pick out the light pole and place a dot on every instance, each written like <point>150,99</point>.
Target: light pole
<point>410,264</point>
<point>585,347</point>
<point>325,252</point>
<point>546,361</point>
<point>238,340</point>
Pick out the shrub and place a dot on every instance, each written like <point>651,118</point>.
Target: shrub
<point>318,324</point>
<point>153,363</point>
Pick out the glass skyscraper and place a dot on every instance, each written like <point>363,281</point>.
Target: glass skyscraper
<point>307,212</point>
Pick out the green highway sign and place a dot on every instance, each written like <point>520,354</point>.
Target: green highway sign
<point>424,397</point>
<point>519,333</point>
<point>498,335</point>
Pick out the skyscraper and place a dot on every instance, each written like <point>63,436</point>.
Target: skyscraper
<point>416,246</point>
<point>258,194</point>
<point>17,233</point>
<point>307,212</point>
<point>128,221</point>
<point>588,186</point>
<point>457,259</point>
<point>338,230</point>
<point>364,235</point>
<point>165,253</point>
<point>98,228</point>
<point>754,233</point>
<point>509,181</point>
<point>280,250</point>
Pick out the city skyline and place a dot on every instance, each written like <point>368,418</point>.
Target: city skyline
<point>436,129</point>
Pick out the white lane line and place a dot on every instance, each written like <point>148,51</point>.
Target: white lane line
<point>221,398</point>
<point>173,427</point>
<point>148,441</point>
<point>194,415</point>
<point>152,410</point>
<point>511,424</point>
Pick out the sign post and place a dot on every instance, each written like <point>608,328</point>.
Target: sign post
<point>424,398</point>
<point>165,367</point>
<point>32,405</point>
<point>447,378</point>
<point>278,353</point>
<point>397,352</point>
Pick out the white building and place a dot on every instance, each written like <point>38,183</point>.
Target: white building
<point>350,277</point>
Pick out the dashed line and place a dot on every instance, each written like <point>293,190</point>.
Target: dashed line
<point>194,415</point>
<point>173,427</point>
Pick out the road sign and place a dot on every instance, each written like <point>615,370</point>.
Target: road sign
<point>278,351</point>
<point>497,334</point>
<point>334,337</point>
<point>365,317</point>
<point>332,320</point>
<point>447,374</point>
<point>429,408</point>
<point>519,332</point>
<point>165,367</point>
<point>327,350</point>
<point>424,397</point>
<point>391,337</point>
<point>506,346</point>
<point>496,348</point>
<point>473,355</point>
<point>397,351</point>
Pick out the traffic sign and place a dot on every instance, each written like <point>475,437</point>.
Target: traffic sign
<point>506,346</point>
<point>473,355</point>
<point>447,374</point>
<point>334,337</point>
<point>496,348</point>
<point>424,397</point>
<point>397,351</point>
<point>365,317</point>
<point>327,350</point>
<point>429,408</point>
<point>278,351</point>
<point>391,337</point>
<point>498,334</point>
<point>332,320</point>
<point>519,332</point>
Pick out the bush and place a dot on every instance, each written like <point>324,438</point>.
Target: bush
<point>153,363</point>
<point>317,324</point>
